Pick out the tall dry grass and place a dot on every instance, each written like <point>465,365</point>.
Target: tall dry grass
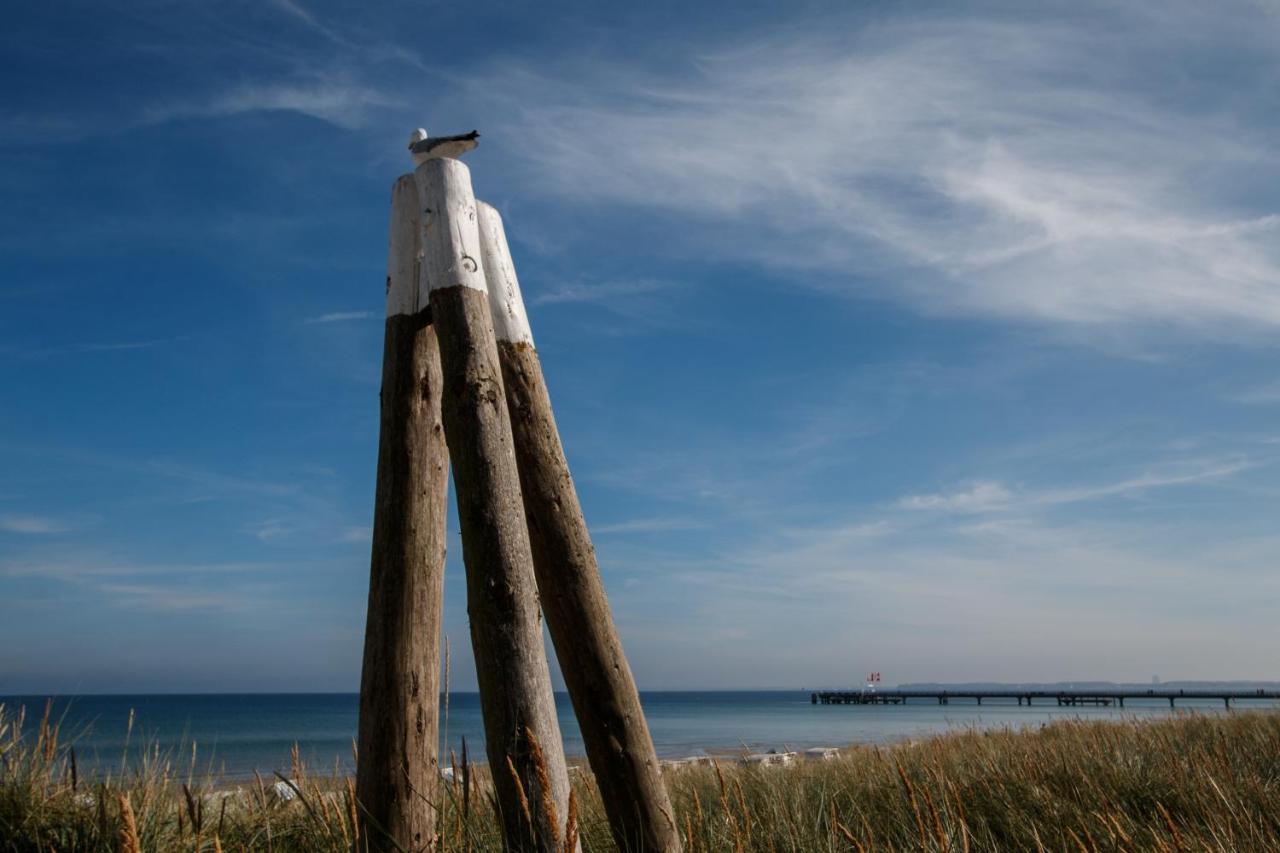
<point>1190,783</point>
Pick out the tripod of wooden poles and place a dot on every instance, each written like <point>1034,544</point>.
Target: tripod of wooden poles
<point>462,384</point>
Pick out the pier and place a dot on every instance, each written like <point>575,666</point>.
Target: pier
<point>1061,698</point>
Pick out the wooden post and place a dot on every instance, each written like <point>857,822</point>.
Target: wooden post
<point>502,596</point>
<point>595,669</point>
<point>397,769</point>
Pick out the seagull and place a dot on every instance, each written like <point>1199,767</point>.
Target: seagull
<point>423,149</point>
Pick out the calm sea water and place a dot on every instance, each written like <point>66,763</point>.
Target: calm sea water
<point>236,734</point>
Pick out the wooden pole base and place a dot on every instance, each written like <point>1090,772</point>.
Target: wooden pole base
<point>397,769</point>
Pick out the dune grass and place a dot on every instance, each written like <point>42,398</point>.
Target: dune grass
<point>1188,783</point>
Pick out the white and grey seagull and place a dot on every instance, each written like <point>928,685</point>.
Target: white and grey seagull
<point>424,148</point>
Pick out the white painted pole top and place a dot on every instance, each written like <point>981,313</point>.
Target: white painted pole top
<point>404,251</point>
<point>506,305</point>
<point>450,236</point>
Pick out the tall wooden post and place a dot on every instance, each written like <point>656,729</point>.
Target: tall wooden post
<point>595,669</point>
<point>502,597</point>
<point>397,769</point>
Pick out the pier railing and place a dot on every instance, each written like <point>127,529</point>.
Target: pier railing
<point>1061,697</point>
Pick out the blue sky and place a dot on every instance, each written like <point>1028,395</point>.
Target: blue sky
<point>934,340</point>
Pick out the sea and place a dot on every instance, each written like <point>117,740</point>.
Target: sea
<point>233,735</point>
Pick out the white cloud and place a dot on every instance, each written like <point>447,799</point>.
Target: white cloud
<point>168,598</point>
<point>930,596</point>
<point>269,529</point>
<point>125,345</point>
<point>154,585</point>
<point>977,498</point>
<point>340,317</point>
<point>83,567</point>
<point>647,525</point>
<point>88,347</point>
<point>356,534</point>
<point>383,51</point>
<point>300,13</point>
<point>1261,395</point>
<point>1179,475</point>
<point>988,496</point>
<point>1033,167</point>
<point>32,524</point>
<point>601,292</point>
<point>346,105</point>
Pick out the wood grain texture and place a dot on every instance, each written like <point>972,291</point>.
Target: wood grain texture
<point>595,670</point>
<point>592,661</point>
<point>451,238</point>
<point>506,303</point>
<point>405,291</point>
<point>502,597</point>
<point>397,769</point>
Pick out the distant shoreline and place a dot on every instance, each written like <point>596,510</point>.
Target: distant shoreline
<point>237,733</point>
<point>691,691</point>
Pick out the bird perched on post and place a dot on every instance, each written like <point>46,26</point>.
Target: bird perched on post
<point>423,148</point>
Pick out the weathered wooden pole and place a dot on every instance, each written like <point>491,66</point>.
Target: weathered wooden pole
<point>502,595</point>
<point>595,669</point>
<point>397,769</point>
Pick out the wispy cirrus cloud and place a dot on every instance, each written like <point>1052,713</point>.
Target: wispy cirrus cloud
<point>18,351</point>
<point>340,317</point>
<point>647,525</point>
<point>601,293</point>
<point>124,345</point>
<point>269,530</point>
<point>1260,395</point>
<point>303,15</point>
<point>976,498</point>
<point>356,534</point>
<point>637,304</point>
<point>921,577</point>
<point>989,496</point>
<point>977,159</point>
<point>906,598</point>
<point>160,586</point>
<point>31,524</point>
<point>382,50</point>
<point>343,104</point>
<point>85,567</point>
<point>166,597</point>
